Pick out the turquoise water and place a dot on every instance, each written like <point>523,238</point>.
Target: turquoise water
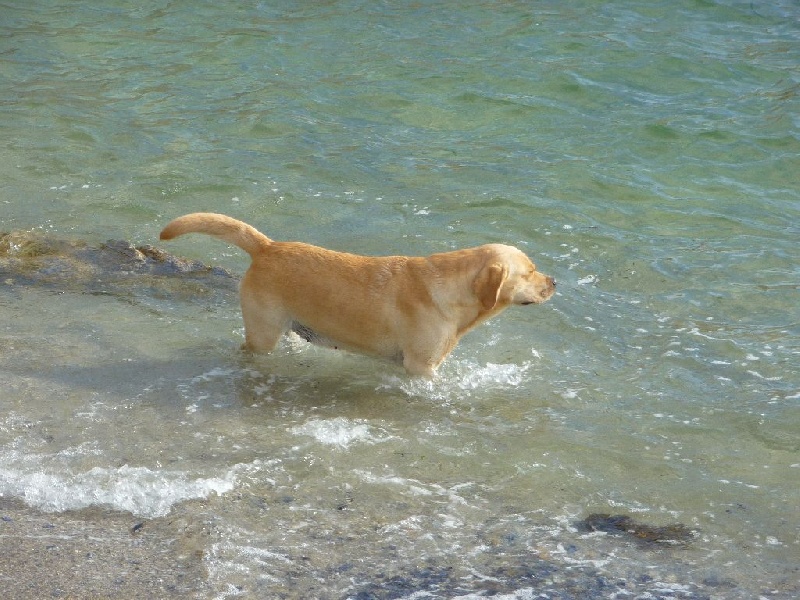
<point>646,154</point>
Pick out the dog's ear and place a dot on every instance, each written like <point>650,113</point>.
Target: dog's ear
<point>488,283</point>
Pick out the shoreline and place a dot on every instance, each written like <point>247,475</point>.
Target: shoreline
<point>99,553</point>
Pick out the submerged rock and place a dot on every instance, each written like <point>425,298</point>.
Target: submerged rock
<point>675,533</point>
<point>114,268</point>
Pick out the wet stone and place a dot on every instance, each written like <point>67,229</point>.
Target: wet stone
<point>31,259</point>
<point>439,581</point>
<point>675,533</point>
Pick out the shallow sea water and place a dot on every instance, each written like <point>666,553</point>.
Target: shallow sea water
<point>643,153</point>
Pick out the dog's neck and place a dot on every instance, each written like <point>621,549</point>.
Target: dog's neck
<point>459,299</point>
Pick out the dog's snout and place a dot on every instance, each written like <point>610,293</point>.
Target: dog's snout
<point>551,281</point>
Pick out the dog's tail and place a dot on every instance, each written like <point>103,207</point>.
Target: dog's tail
<point>248,238</point>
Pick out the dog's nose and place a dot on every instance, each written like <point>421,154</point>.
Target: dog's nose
<point>552,281</point>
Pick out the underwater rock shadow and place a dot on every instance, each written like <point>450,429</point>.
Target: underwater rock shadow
<point>116,268</point>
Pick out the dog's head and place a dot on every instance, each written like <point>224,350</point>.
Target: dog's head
<point>509,277</point>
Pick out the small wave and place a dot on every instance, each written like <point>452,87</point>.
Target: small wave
<point>138,490</point>
<point>340,431</point>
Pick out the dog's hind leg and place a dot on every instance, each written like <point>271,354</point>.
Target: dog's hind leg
<point>264,323</point>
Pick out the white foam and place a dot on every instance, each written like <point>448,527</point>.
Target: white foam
<point>456,377</point>
<point>139,490</point>
<point>339,431</point>
<point>493,375</point>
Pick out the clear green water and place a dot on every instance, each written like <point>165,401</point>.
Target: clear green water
<point>646,154</point>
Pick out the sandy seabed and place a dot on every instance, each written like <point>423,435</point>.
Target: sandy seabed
<point>98,553</point>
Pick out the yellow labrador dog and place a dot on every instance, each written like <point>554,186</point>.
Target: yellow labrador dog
<point>409,309</point>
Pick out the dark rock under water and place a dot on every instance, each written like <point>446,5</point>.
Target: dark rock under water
<point>675,533</point>
<point>116,268</point>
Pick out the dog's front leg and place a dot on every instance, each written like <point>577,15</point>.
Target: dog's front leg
<point>424,355</point>
<point>419,368</point>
